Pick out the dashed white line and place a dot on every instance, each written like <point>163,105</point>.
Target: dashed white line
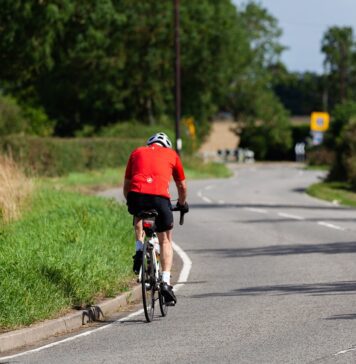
<point>221,202</point>
<point>206,199</point>
<point>209,187</point>
<point>289,216</point>
<point>260,211</point>
<point>332,226</point>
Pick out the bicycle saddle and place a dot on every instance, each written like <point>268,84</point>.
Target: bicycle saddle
<point>147,214</point>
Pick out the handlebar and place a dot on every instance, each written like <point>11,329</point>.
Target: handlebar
<point>182,213</point>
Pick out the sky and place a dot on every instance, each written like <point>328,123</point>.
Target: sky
<point>303,23</point>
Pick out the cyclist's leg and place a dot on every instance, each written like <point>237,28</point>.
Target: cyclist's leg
<point>136,203</point>
<point>165,242</point>
<point>138,229</point>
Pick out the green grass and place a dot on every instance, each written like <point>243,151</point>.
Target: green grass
<point>323,167</point>
<point>195,168</point>
<point>70,249</point>
<point>333,191</point>
<point>93,181</point>
<point>67,251</point>
<point>90,181</point>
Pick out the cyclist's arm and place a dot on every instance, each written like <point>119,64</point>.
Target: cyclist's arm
<point>126,188</point>
<point>182,192</point>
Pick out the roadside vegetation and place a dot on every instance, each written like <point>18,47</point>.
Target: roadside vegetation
<point>70,129</point>
<point>66,251</point>
<point>62,248</point>
<point>337,192</point>
<point>15,190</point>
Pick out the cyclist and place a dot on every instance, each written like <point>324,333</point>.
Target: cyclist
<point>146,186</point>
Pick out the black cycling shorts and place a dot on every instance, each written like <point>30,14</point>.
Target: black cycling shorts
<point>138,202</point>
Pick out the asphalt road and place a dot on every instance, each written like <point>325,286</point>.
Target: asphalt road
<point>273,280</point>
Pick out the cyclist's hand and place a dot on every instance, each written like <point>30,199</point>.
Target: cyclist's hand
<point>184,208</point>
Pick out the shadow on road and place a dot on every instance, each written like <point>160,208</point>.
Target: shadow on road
<point>314,289</point>
<point>276,250</point>
<point>346,316</point>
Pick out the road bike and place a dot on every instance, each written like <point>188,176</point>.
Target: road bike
<point>150,275</point>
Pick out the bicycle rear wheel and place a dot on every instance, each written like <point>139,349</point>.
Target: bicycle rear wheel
<point>148,283</point>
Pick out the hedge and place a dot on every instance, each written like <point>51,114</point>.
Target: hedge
<point>58,156</point>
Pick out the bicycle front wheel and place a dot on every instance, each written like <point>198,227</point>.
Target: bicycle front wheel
<point>148,282</point>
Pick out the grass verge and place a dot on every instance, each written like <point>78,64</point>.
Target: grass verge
<point>333,191</point>
<point>93,181</point>
<point>68,251</point>
<point>195,168</point>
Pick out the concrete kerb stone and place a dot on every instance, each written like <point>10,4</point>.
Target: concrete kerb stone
<point>31,335</point>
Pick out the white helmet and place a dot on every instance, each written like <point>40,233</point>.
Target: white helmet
<point>160,138</point>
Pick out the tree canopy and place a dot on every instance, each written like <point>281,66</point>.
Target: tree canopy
<point>94,63</point>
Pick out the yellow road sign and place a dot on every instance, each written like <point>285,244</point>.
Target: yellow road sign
<point>319,121</point>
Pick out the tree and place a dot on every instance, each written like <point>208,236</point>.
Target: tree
<point>339,48</point>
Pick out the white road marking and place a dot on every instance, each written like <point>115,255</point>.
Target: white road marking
<point>332,226</point>
<point>209,187</point>
<point>289,216</point>
<point>221,202</point>
<point>183,277</point>
<point>206,199</point>
<point>345,351</point>
<point>187,265</point>
<point>199,194</point>
<point>260,211</point>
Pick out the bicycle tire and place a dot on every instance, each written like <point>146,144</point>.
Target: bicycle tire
<point>148,283</point>
<point>162,301</point>
<point>162,304</point>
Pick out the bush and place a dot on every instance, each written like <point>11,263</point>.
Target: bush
<point>352,171</point>
<point>344,134</point>
<point>11,117</point>
<point>56,157</point>
<point>347,145</point>
<point>268,134</point>
<point>38,121</point>
<point>320,156</point>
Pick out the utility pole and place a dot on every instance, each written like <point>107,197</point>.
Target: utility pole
<point>177,76</point>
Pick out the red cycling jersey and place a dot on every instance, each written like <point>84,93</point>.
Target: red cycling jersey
<point>151,168</point>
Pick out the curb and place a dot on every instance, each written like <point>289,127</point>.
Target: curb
<point>29,336</point>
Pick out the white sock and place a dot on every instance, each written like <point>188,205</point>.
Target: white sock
<point>139,245</point>
<point>166,277</point>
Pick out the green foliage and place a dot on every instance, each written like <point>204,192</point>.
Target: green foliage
<point>196,168</point>
<point>38,122</point>
<point>134,129</point>
<point>339,47</point>
<point>11,117</point>
<point>92,63</point>
<point>342,138</point>
<point>300,93</point>
<point>269,133</point>
<point>347,151</point>
<point>65,252</point>
<point>55,157</point>
<point>333,191</point>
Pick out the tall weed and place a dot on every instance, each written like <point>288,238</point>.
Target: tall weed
<point>15,187</point>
